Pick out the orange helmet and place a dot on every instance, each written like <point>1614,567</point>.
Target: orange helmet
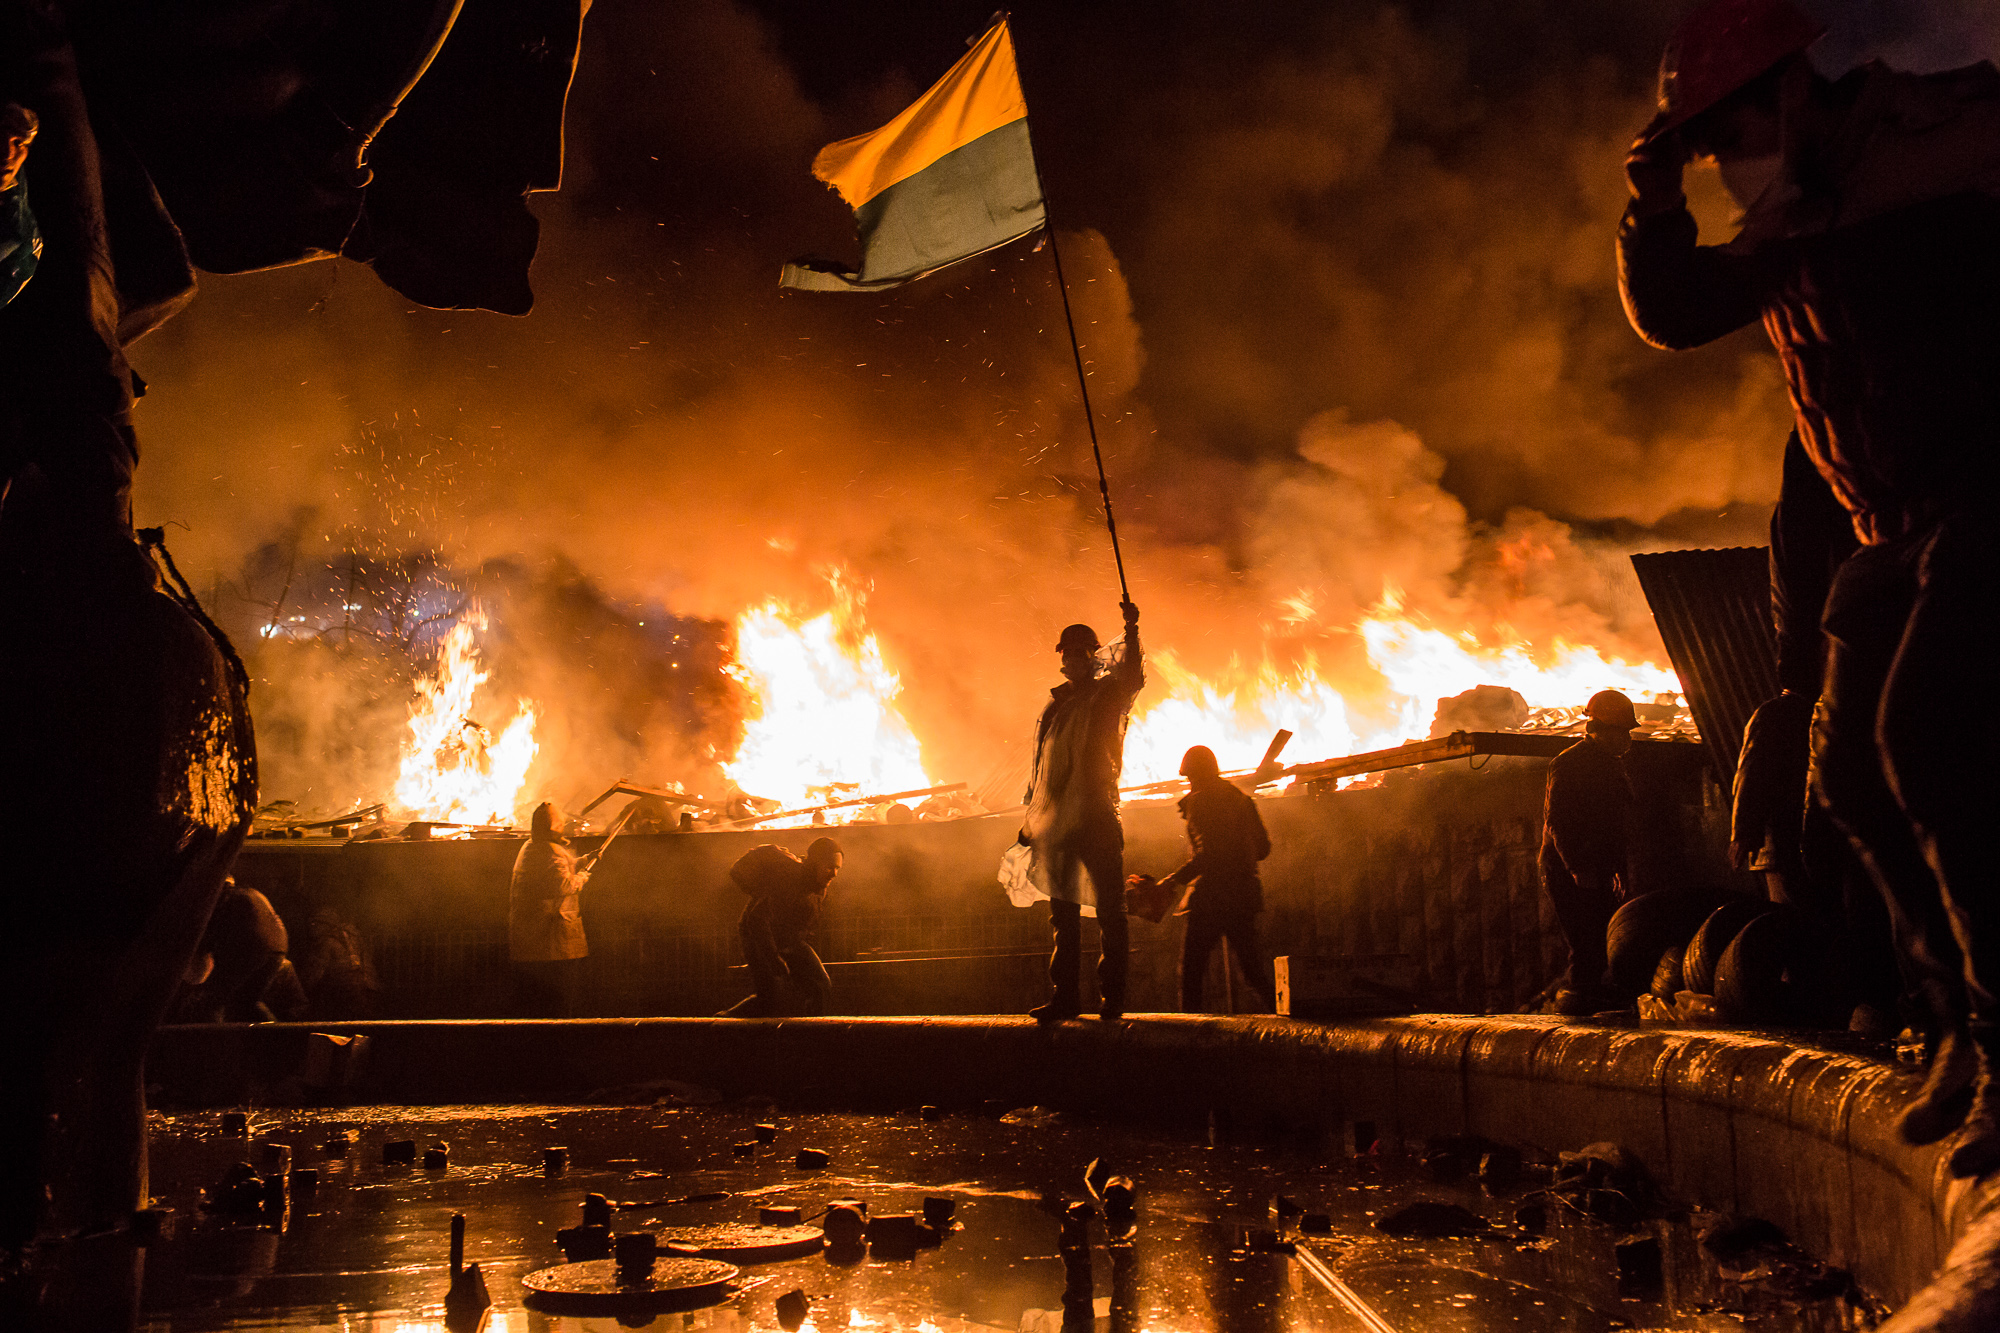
<point>1722,46</point>
<point>1612,709</point>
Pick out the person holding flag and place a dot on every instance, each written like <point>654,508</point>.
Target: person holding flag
<point>950,178</point>
<point>1071,826</point>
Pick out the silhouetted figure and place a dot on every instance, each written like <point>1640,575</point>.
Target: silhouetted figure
<point>1072,820</point>
<point>1584,814</point>
<point>776,928</point>
<point>1227,837</point>
<point>135,703</point>
<point>545,936</point>
<point>250,977</point>
<point>20,237</point>
<point>1779,833</point>
<point>335,969</point>
<point>1867,251</point>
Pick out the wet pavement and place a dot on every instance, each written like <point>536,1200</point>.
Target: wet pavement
<point>1214,1247</point>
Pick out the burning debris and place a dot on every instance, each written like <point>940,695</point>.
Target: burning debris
<point>826,740</point>
<point>454,770</point>
<point>825,719</point>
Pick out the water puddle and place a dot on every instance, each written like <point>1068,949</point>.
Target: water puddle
<point>1232,1237</point>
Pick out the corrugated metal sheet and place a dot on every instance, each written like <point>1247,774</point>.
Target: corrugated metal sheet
<point>1714,611</point>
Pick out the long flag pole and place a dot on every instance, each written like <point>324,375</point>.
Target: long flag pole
<point>975,117</point>
<point>1082,382</point>
<point>1089,418</point>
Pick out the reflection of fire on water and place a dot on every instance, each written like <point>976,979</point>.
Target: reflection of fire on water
<point>825,719</point>
<point>453,770</point>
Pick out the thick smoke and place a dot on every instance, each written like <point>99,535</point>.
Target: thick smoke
<point>1342,275</point>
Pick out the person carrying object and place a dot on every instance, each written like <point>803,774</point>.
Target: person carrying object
<point>545,938</point>
<point>1227,837</point>
<point>786,894</point>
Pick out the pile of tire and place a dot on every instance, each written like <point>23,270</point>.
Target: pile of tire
<point>1755,962</point>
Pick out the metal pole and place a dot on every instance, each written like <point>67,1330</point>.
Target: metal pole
<point>1089,418</point>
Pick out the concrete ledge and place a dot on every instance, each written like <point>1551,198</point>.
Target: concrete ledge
<point>1742,1123</point>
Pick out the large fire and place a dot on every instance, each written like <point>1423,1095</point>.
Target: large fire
<point>1236,719</point>
<point>825,723</point>
<point>1418,664</point>
<point>454,770</point>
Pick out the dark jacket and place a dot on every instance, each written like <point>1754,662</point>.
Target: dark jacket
<point>1227,837</point>
<point>1879,287</point>
<point>785,896</point>
<point>1768,799</point>
<point>1810,536</point>
<point>1584,813</point>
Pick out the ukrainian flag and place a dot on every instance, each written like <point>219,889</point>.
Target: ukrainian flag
<point>951,177</point>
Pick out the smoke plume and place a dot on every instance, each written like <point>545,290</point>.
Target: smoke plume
<point>1343,280</point>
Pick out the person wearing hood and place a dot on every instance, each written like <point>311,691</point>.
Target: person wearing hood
<point>1867,250</point>
<point>1071,826</point>
<point>545,936</point>
<point>1227,838</point>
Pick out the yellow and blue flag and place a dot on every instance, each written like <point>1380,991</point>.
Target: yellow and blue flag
<point>951,177</point>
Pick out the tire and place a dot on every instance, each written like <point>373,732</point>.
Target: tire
<point>1705,950</point>
<point>1757,980</point>
<point>1667,976</point>
<point>1649,925</point>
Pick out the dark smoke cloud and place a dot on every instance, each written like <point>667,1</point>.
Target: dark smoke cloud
<point>1342,273</point>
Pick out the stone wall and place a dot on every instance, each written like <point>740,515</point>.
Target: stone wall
<point>1436,863</point>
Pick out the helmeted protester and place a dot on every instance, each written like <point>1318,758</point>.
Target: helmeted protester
<point>1586,807</point>
<point>1072,826</point>
<point>1227,837</point>
<point>545,936</point>
<point>786,894</point>
<point>1867,252</point>
<point>249,978</point>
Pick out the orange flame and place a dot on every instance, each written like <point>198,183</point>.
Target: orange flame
<point>1415,665</point>
<point>825,703</point>
<point>453,771</point>
<point>1236,720</point>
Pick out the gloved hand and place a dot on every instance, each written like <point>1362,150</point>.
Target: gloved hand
<point>1131,614</point>
<point>1653,169</point>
